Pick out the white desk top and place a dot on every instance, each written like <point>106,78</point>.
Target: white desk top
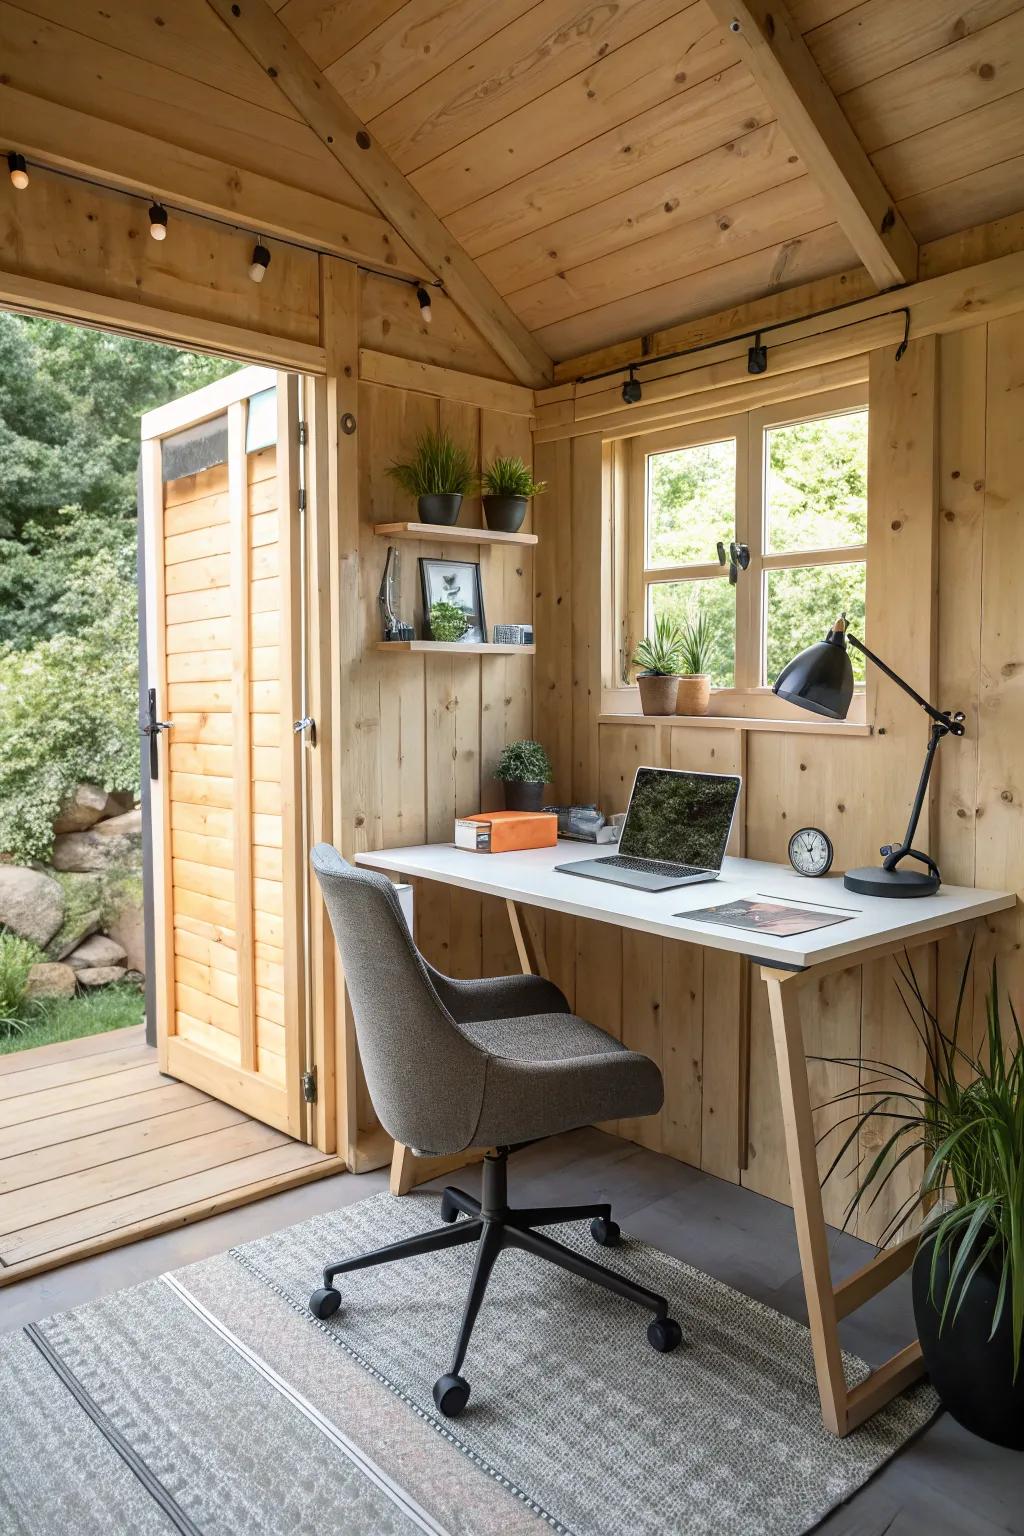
<point>531,877</point>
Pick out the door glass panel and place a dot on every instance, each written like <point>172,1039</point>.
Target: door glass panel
<point>691,503</point>
<point>683,599</point>
<point>800,604</point>
<point>816,483</point>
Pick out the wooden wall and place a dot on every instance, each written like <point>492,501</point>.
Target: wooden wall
<point>946,538</point>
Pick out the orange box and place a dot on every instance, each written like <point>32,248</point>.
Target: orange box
<point>506,831</point>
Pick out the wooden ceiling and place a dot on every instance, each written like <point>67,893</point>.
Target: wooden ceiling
<point>613,168</point>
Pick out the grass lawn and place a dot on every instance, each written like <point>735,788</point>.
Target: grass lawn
<point>90,1013</point>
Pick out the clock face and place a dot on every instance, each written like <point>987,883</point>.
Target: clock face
<point>810,852</point>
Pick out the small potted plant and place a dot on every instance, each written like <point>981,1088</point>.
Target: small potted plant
<point>964,1116</point>
<point>439,474</point>
<point>658,657</point>
<point>507,486</point>
<point>525,770</point>
<point>447,621</point>
<point>696,640</point>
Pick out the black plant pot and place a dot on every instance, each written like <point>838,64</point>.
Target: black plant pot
<point>440,509</point>
<point>521,795</point>
<point>972,1375</point>
<point>504,514</point>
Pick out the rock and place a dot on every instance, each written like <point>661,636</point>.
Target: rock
<point>127,824</point>
<point>97,951</point>
<point>98,849</point>
<point>135,979</point>
<point>85,806</point>
<point>71,934</point>
<point>31,904</point>
<point>50,979</point>
<point>128,927</point>
<point>99,975</point>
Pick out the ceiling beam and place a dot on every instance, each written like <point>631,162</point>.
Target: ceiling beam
<point>770,44</point>
<point>268,40</point>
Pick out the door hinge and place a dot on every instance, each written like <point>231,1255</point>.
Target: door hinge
<point>309,1087</point>
<point>303,434</point>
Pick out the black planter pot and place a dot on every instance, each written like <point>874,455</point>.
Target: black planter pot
<point>972,1375</point>
<point>440,509</point>
<point>504,514</point>
<point>523,796</point>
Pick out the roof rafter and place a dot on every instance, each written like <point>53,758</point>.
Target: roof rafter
<point>770,44</point>
<point>338,128</point>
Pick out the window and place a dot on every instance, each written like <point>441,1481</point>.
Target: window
<point>786,483</point>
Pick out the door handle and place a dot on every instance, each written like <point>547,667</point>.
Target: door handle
<point>153,727</point>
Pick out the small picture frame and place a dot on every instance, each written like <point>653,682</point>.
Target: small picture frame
<point>458,582</point>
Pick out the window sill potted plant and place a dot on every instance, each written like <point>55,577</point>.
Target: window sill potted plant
<point>658,657</point>
<point>695,651</point>
<point>447,622</point>
<point>525,770</point>
<point>966,1119</point>
<point>439,474</point>
<point>507,487</point>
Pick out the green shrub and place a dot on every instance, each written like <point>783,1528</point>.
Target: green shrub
<point>448,621</point>
<point>17,957</point>
<point>438,467</point>
<point>524,762</point>
<point>511,477</point>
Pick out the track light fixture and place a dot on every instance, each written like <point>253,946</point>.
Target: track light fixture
<point>423,300</point>
<point>259,263</point>
<point>158,221</point>
<point>631,389</point>
<point>757,356</point>
<point>18,171</point>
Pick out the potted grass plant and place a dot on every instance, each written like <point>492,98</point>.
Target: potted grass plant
<point>439,474</point>
<point>658,657</point>
<point>525,770</point>
<point>507,486</point>
<point>964,1115</point>
<point>696,642</point>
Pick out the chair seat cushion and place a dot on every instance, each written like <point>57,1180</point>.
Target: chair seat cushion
<point>552,1072</point>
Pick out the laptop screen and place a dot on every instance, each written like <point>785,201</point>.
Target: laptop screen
<point>681,818</point>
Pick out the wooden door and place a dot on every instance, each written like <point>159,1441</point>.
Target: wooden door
<point>223,620</point>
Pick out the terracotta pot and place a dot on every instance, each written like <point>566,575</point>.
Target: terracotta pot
<point>439,509</point>
<point>524,795</point>
<point>694,694</point>
<point>504,514</point>
<point>658,693</point>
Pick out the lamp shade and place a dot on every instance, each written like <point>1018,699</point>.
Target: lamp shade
<point>820,678</point>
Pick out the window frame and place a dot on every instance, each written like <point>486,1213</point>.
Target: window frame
<point>749,695</point>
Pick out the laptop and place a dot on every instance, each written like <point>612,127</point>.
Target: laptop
<point>675,833</point>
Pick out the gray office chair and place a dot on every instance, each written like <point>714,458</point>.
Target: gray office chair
<point>457,1064</point>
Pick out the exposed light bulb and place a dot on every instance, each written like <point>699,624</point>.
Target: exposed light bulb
<point>423,300</point>
<point>18,171</point>
<point>259,263</point>
<point>158,221</point>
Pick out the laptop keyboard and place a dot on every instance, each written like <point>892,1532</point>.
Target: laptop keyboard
<point>649,867</point>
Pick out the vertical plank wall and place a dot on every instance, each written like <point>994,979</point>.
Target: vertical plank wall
<point>946,539</point>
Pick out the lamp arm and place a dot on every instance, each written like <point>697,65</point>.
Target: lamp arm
<point>941,717</point>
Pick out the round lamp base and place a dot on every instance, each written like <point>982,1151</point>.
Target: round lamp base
<point>891,882</point>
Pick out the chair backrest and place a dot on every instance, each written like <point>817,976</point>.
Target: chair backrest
<point>426,1079</point>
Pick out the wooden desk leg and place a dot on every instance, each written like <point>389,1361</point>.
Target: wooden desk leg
<point>529,945</point>
<point>841,1409</point>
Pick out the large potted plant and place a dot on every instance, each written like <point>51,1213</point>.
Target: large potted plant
<point>507,487</point>
<point>525,770</point>
<point>965,1117</point>
<point>696,647</point>
<point>439,474</point>
<point>658,657</point>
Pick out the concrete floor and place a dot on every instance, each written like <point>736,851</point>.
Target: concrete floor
<point>946,1483</point>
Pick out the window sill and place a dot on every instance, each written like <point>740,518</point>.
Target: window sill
<point>810,727</point>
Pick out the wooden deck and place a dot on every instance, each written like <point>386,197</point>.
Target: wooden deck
<point>98,1148</point>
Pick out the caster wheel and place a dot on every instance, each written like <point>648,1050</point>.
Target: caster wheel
<point>324,1303</point>
<point>449,1212</point>
<point>451,1394</point>
<point>664,1335</point>
<point>605,1231</point>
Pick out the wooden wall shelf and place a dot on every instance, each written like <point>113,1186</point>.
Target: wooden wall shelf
<point>443,533</point>
<point>456,647</point>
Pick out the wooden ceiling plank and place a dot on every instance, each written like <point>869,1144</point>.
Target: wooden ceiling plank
<point>978,198</point>
<point>326,28</point>
<point>783,67</point>
<point>678,130</point>
<point>879,37</point>
<point>747,165</point>
<point>670,59</point>
<point>360,156</point>
<point>949,151</point>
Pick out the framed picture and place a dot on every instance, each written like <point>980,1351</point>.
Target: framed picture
<point>456,582</point>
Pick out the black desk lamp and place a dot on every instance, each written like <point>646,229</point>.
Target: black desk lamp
<point>821,679</point>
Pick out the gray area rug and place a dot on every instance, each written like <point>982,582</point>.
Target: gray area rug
<point>210,1401</point>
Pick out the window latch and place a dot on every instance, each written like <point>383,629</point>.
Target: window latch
<point>739,559</point>
<point>306,727</point>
